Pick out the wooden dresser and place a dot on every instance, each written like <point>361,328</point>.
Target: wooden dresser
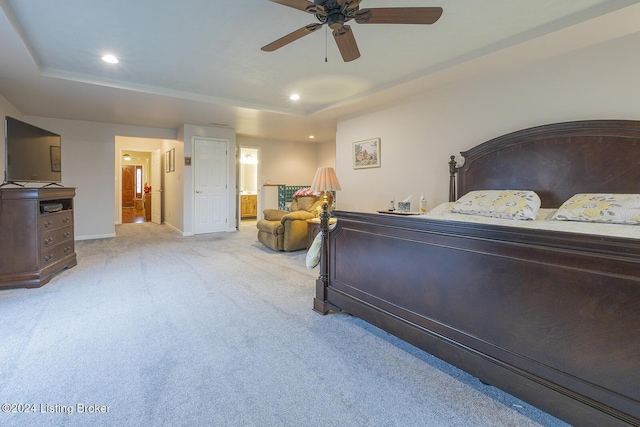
<point>36,235</point>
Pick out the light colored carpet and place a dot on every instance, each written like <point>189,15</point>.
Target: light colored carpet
<point>217,330</point>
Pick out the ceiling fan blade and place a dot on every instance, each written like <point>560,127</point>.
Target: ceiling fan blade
<point>399,15</point>
<point>303,5</point>
<point>346,43</point>
<point>291,37</point>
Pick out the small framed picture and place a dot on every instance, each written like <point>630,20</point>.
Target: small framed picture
<point>54,152</point>
<point>172,160</point>
<point>167,162</point>
<point>366,154</point>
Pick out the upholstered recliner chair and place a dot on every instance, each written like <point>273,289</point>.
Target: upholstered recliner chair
<point>288,230</point>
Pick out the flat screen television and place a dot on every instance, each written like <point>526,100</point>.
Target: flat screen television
<point>31,154</point>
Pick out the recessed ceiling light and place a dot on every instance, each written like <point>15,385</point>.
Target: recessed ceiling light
<point>110,59</point>
<point>311,136</point>
<point>294,97</point>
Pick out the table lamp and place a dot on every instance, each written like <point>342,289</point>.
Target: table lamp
<point>325,180</point>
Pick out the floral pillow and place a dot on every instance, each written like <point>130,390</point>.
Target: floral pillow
<point>613,208</point>
<point>507,204</point>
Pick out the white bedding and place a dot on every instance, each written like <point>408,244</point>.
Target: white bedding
<point>543,221</point>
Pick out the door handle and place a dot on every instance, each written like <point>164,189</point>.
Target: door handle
<point>198,191</point>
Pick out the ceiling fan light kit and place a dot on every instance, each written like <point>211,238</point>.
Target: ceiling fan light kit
<point>336,13</point>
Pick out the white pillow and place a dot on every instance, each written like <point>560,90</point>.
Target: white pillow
<point>601,207</point>
<point>507,204</point>
<point>313,254</point>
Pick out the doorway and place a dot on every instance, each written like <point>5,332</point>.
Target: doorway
<point>138,180</point>
<point>135,177</point>
<point>248,186</point>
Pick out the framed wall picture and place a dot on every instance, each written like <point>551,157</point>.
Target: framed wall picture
<point>54,152</point>
<point>167,163</point>
<point>172,160</point>
<point>366,154</point>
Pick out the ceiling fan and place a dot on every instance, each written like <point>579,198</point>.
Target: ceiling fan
<point>335,13</point>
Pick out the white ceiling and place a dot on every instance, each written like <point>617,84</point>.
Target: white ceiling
<point>199,61</point>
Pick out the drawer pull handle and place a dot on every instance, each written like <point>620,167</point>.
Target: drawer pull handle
<point>48,240</point>
<point>67,249</point>
<point>66,219</point>
<point>48,257</point>
<point>47,224</point>
<point>66,234</point>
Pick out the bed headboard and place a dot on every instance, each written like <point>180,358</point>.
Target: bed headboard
<point>556,161</point>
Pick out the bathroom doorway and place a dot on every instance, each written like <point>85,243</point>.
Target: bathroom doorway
<point>249,189</point>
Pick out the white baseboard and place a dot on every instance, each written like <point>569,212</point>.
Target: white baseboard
<point>96,236</point>
<point>166,224</point>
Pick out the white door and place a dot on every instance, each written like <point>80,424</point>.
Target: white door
<point>156,187</point>
<point>210,185</point>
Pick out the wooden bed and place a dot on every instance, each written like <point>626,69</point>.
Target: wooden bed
<point>550,317</point>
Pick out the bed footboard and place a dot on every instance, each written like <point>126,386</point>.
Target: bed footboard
<point>549,317</point>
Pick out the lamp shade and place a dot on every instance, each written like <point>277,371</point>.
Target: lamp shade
<point>325,180</point>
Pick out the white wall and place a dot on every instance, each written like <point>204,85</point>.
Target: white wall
<point>326,154</point>
<point>89,163</point>
<point>173,186</point>
<point>88,158</point>
<point>597,82</point>
<point>283,162</point>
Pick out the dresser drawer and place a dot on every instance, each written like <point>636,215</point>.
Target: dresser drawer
<point>54,237</point>
<point>55,253</point>
<point>52,221</point>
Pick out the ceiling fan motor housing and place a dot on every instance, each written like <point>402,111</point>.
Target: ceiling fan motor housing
<point>335,19</point>
<point>335,14</point>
